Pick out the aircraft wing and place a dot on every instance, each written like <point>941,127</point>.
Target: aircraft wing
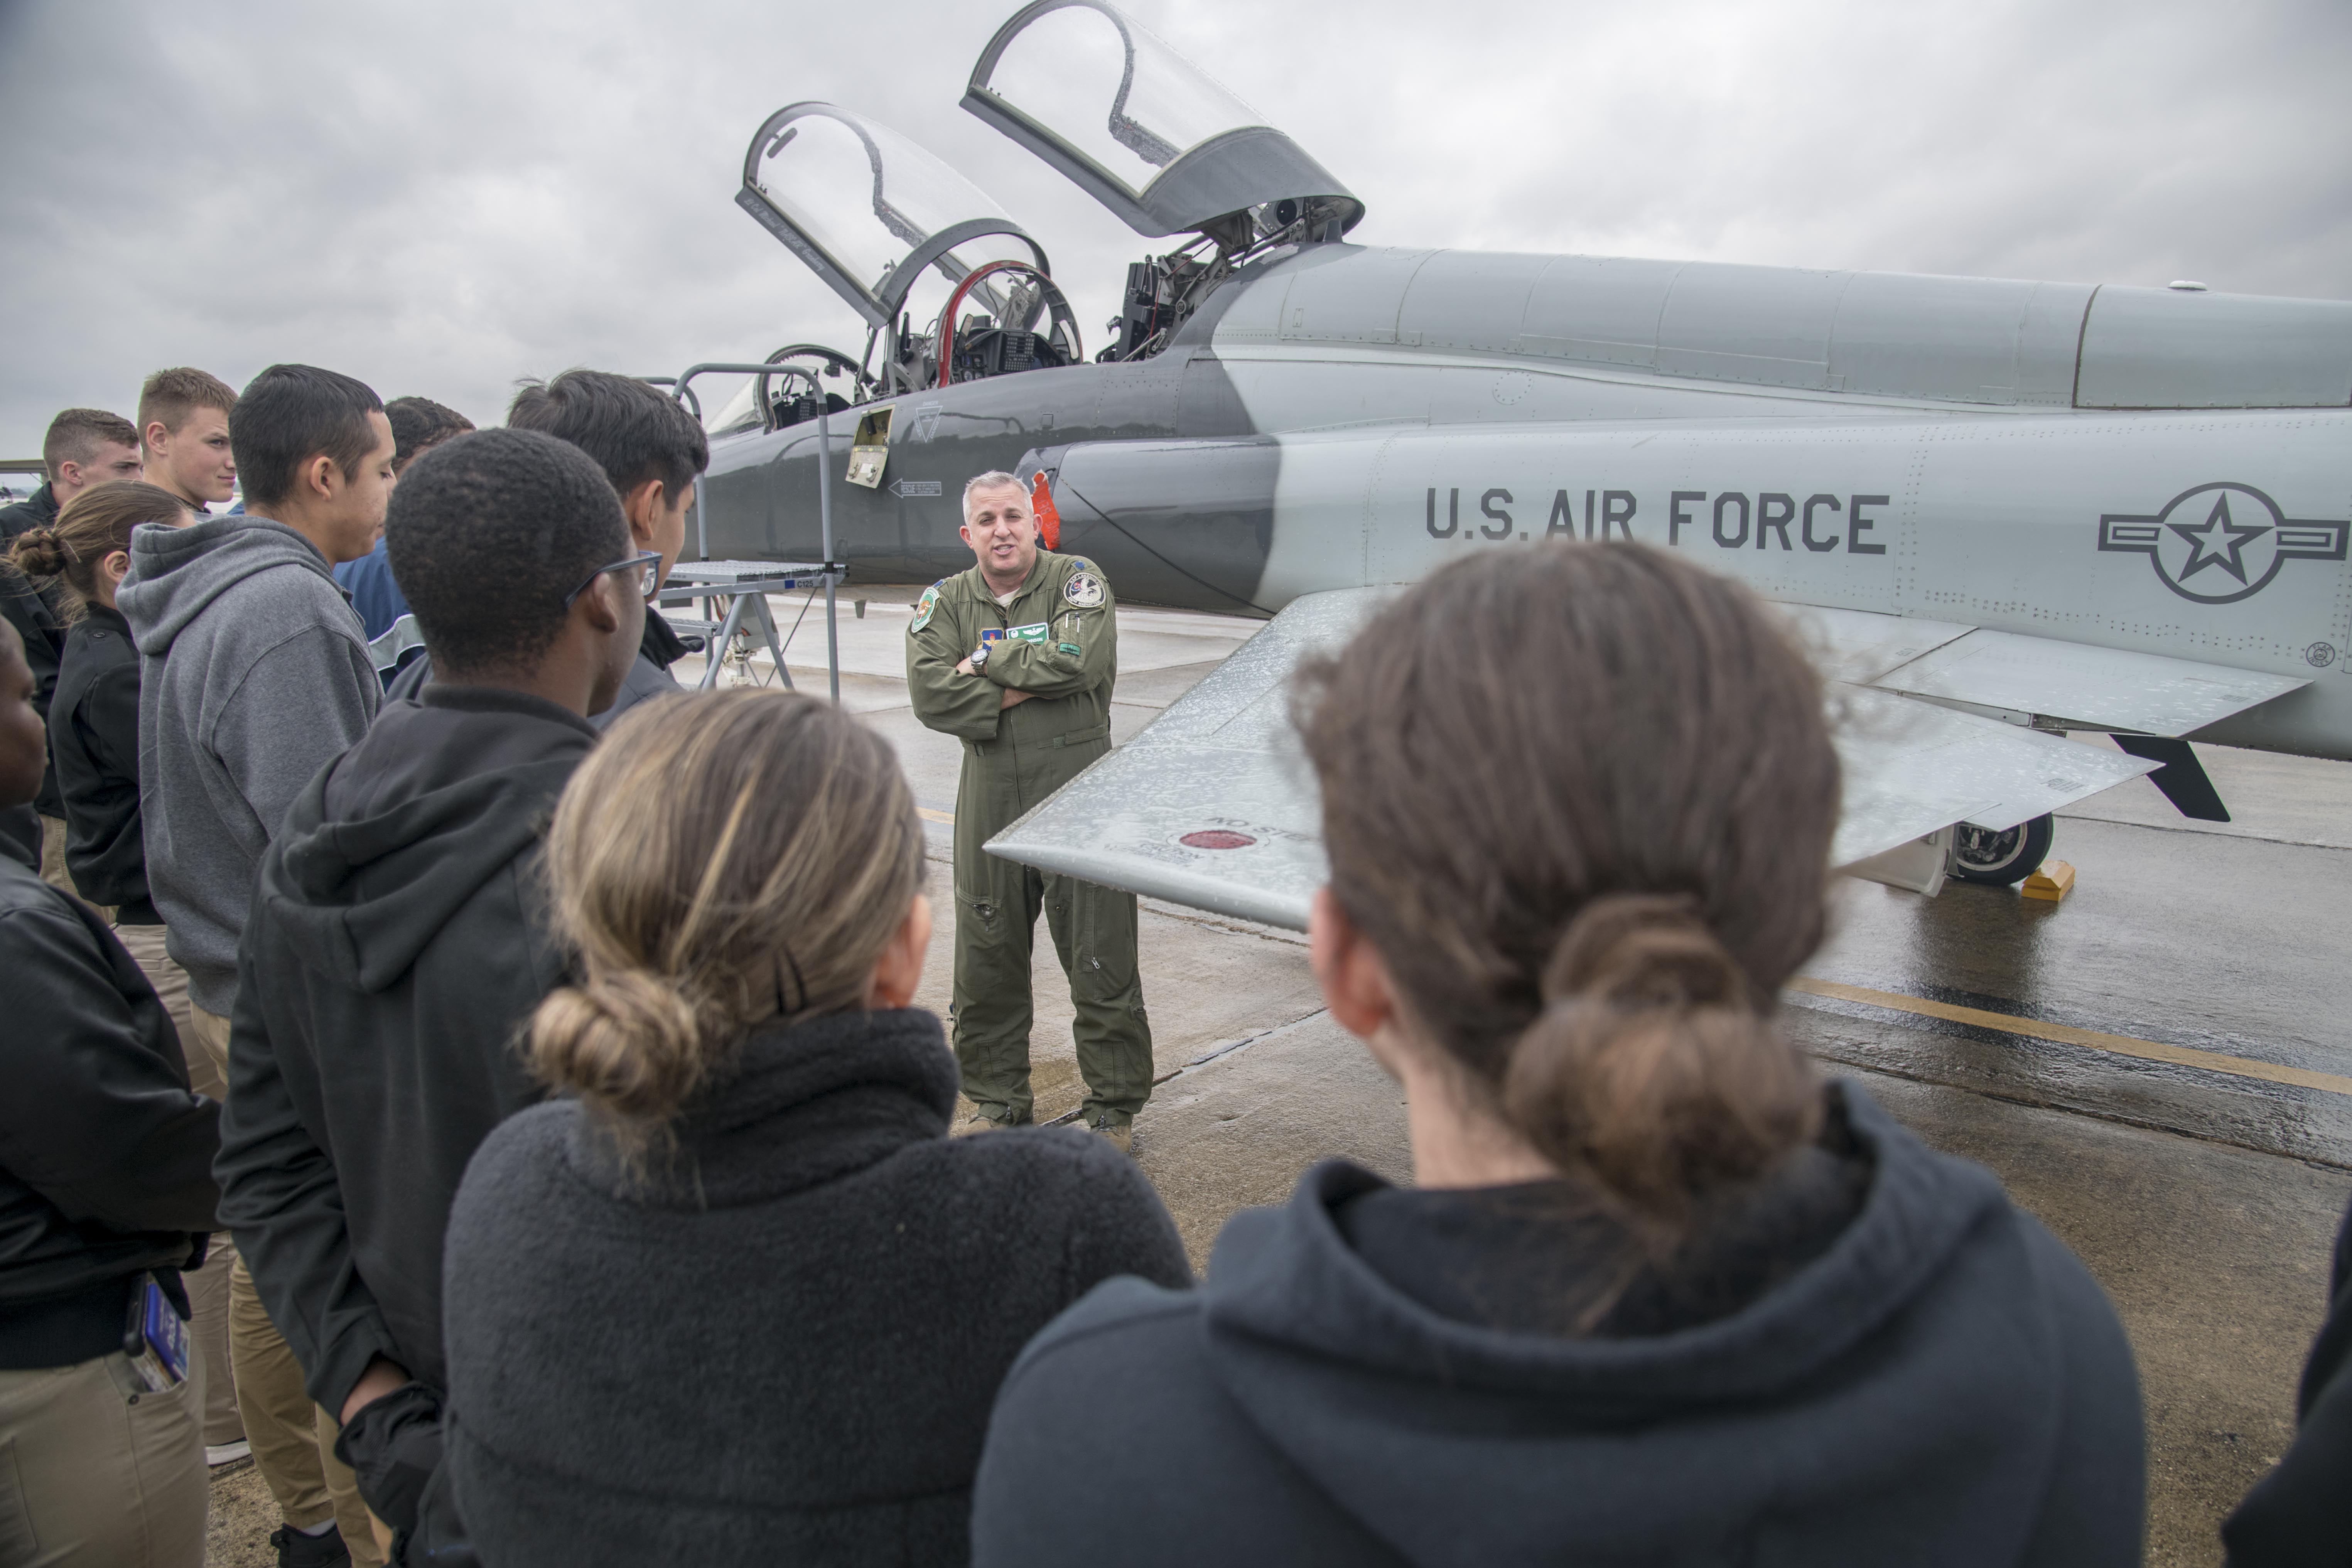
<point>2057,683</point>
<point>1215,807</point>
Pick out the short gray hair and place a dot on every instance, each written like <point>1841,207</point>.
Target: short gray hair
<point>995,478</point>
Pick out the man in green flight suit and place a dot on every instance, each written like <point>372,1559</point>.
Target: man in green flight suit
<point>1017,657</point>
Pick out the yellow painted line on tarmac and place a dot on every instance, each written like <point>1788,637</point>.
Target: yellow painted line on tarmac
<point>2091,1039</point>
<point>930,816</point>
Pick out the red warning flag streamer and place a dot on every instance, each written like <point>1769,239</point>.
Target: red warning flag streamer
<point>1041,503</point>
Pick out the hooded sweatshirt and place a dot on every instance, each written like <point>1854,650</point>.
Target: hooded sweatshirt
<point>253,676</point>
<point>397,945</point>
<point>1942,1382</point>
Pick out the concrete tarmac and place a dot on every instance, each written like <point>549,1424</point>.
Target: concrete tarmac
<point>2172,1120</point>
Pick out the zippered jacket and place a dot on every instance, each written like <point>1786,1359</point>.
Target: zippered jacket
<point>105,1155</point>
<point>94,738</point>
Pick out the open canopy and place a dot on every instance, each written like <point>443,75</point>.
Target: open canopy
<point>1141,129</point>
<point>868,210</point>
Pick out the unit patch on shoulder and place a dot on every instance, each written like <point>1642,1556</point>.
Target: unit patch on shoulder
<point>923,608</point>
<point>1084,589</point>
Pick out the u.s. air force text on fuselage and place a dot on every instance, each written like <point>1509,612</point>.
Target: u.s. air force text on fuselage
<point>1772,512</point>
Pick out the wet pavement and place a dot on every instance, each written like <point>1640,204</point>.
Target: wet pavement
<point>2183,1119</point>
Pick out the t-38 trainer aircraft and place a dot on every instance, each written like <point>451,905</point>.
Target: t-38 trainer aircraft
<point>2002,511</point>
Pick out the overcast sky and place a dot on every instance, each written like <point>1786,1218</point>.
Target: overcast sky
<point>439,198</point>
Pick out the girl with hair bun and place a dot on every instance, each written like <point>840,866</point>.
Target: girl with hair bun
<point>736,1297</point>
<point>1660,1294</point>
<point>94,715</point>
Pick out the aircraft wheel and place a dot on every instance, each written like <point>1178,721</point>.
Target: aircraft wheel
<point>2005,858</point>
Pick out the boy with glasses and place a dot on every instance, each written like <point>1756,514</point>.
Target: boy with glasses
<point>650,451</point>
<point>398,940</point>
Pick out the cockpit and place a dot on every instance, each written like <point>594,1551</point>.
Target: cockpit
<point>950,288</point>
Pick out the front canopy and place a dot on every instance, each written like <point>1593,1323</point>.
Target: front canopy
<point>868,210</point>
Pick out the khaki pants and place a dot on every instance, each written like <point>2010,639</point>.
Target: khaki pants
<point>53,855</point>
<point>97,1470</point>
<point>208,1286</point>
<point>293,1439</point>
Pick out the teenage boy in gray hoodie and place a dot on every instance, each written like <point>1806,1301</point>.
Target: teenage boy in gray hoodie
<point>254,675</point>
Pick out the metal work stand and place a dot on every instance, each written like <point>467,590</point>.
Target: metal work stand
<point>745,584</point>
<point>831,571</point>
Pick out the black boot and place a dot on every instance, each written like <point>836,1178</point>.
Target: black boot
<point>296,1549</point>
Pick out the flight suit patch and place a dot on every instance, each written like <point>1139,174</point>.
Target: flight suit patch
<point>924,606</point>
<point>1071,648</point>
<point>1084,589</point>
<point>1033,632</point>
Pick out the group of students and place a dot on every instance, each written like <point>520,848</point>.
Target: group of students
<point>590,1175</point>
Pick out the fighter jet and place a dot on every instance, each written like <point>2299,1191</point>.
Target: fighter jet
<point>2002,512</point>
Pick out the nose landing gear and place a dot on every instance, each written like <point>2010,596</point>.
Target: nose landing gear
<point>2003,857</point>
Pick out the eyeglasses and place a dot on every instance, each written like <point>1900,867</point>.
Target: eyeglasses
<point>646,566</point>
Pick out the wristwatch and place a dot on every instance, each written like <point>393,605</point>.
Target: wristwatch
<point>980,658</point>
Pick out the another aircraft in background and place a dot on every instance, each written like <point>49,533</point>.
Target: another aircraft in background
<point>2004,511</point>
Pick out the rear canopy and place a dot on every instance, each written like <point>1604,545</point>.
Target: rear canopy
<point>1139,128</point>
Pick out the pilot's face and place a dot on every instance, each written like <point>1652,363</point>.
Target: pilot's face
<point>1001,532</point>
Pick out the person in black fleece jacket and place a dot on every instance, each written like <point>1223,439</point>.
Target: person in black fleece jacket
<point>2300,1514</point>
<point>105,1183</point>
<point>94,744</point>
<point>93,715</point>
<point>1659,1295</point>
<point>739,1299</point>
<point>397,938</point>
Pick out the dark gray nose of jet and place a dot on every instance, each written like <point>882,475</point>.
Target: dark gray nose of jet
<point>1165,519</point>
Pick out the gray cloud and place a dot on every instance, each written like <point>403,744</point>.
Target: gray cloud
<point>442,197</point>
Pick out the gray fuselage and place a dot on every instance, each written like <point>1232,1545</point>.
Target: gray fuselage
<point>2142,469</point>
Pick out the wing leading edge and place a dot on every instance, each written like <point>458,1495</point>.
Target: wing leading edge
<point>1213,805</point>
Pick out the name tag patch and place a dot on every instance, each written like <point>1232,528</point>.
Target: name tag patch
<point>1084,589</point>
